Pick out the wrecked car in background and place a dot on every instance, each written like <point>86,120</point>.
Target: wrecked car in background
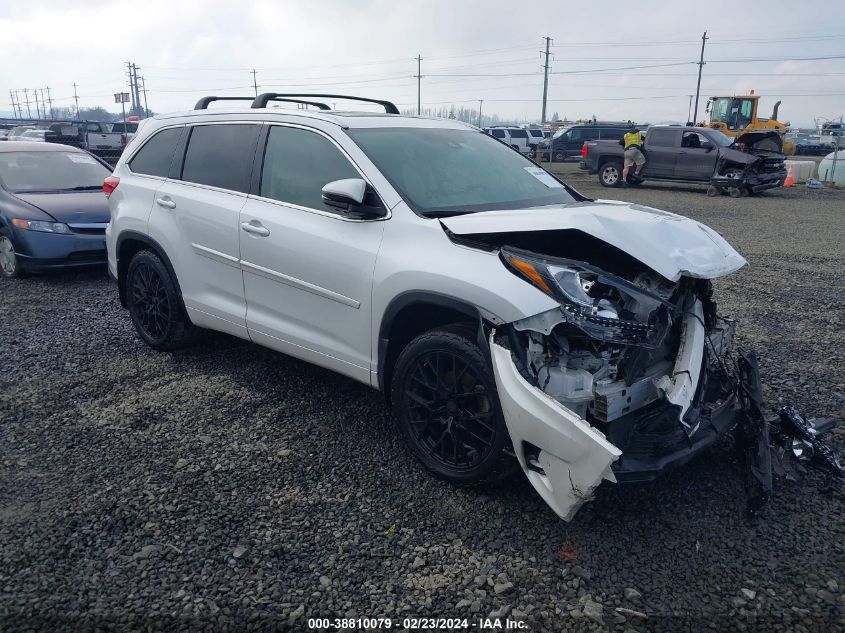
<point>504,314</point>
<point>746,164</point>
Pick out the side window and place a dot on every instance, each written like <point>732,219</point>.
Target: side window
<point>575,135</point>
<point>298,164</point>
<point>694,140</point>
<point>499,134</point>
<point>155,155</point>
<point>663,138</point>
<point>591,134</point>
<point>221,155</point>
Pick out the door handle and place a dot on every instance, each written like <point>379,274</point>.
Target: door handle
<point>167,203</point>
<point>255,229</point>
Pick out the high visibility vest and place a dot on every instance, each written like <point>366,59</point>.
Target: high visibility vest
<point>632,138</point>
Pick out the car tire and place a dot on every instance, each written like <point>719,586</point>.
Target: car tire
<point>610,174</point>
<point>447,409</point>
<point>559,157</point>
<point>10,265</point>
<point>155,306</point>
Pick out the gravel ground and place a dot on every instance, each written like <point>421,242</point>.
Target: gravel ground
<point>230,487</point>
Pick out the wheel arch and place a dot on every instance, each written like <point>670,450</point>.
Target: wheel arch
<point>131,242</point>
<point>413,313</point>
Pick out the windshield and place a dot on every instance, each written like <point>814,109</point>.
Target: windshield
<point>448,172</point>
<point>561,132</point>
<point>722,140</point>
<point>22,172</point>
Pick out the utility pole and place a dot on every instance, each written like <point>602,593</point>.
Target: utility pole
<point>255,81</point>
<point>545,80</point>
<point>698,86</point>
<point>26,101</point>
<point>144,90</point>
<point>131,85</point>
<point>419,79</point>
<point>76,99</point>
<point>50,101</point>
<point>12,97</point>
<point>689,112</point>
<point>44,103</point>
<point>137,107</point>
<point>37,108</point>
<point>480,101</point>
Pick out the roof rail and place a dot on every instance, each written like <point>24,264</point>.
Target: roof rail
<point>261,100</point>
<point>203,103</point>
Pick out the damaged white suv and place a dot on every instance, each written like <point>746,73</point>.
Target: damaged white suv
<point>503,313</point>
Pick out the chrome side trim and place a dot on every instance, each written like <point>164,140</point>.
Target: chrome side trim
<point>217,256</point>
<point>299,283</point>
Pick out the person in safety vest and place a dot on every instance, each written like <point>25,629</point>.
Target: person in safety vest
<point>633,143</point>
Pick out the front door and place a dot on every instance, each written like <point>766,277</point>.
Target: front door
<point>697,158</point>
<point>307,268</point>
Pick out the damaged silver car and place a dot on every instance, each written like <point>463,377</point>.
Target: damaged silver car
<point>511,321</point>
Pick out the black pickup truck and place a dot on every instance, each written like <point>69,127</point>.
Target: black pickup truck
<point>692,154</point>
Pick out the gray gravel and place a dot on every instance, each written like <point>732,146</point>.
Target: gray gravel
<point>229,487</point>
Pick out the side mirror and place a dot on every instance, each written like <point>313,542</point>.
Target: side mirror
<point>350,195</point>
<point>342,193</point>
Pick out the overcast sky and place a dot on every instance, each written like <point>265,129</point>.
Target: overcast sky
<point>488,50</point>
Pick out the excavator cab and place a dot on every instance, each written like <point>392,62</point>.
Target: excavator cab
<point>736,116</point>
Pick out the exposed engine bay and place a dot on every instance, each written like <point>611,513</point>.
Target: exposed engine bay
<point>643,361</point>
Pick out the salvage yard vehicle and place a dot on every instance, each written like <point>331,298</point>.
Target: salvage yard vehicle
<point>692,154</point>
<point>53,214</point>
<point>502,313</point>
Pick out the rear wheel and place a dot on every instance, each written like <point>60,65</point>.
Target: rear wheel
<point>610,174</point>
<point>155,306</point>
<point>445,402</point>
<point>9,263</point>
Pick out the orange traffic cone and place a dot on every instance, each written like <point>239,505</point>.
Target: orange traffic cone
<point>790,180</point>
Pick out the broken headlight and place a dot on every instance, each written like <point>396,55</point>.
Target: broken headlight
<point>604,307</point>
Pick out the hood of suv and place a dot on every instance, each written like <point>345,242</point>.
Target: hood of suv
<point>71,207</point>
<point>669,244</point>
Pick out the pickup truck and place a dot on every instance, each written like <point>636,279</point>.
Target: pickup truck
<point>692,154</point>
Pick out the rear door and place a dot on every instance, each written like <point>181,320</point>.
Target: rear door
<point>308,268</point>
<point>697,158</point>
<point>195,219</point>
<point>661,151</point>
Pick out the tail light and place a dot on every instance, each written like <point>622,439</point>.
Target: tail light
<point>584,151</point>
<point>110,184</point>
<point>123,139</point>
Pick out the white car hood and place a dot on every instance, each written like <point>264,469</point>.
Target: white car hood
<point>669,244</point>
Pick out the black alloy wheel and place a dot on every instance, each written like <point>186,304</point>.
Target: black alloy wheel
<point>155,305</point>
<point>447,406</point>
<point>150,302</point>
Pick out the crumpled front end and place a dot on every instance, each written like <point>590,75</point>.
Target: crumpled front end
<point>622,382</point>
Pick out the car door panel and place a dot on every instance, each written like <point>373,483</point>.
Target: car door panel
<point>308,284</point>
<point>307,269</point>
<point>195,217</point>
<point>661,152</point>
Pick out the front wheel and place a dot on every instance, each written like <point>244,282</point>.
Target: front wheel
<point>445,402</point>
<point>610,174</point>
<point>155,306</point>
<point>9,264</point>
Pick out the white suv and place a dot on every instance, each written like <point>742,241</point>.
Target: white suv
<point>503,314</point>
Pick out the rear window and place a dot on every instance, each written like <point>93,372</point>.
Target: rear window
<point>221,156</point>
<point>663,138</point>
<point>153,159</point>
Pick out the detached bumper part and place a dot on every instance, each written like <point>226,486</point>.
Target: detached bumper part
<point>568,457</point>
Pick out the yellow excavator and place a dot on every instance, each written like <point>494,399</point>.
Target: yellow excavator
<point>737,117</point>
